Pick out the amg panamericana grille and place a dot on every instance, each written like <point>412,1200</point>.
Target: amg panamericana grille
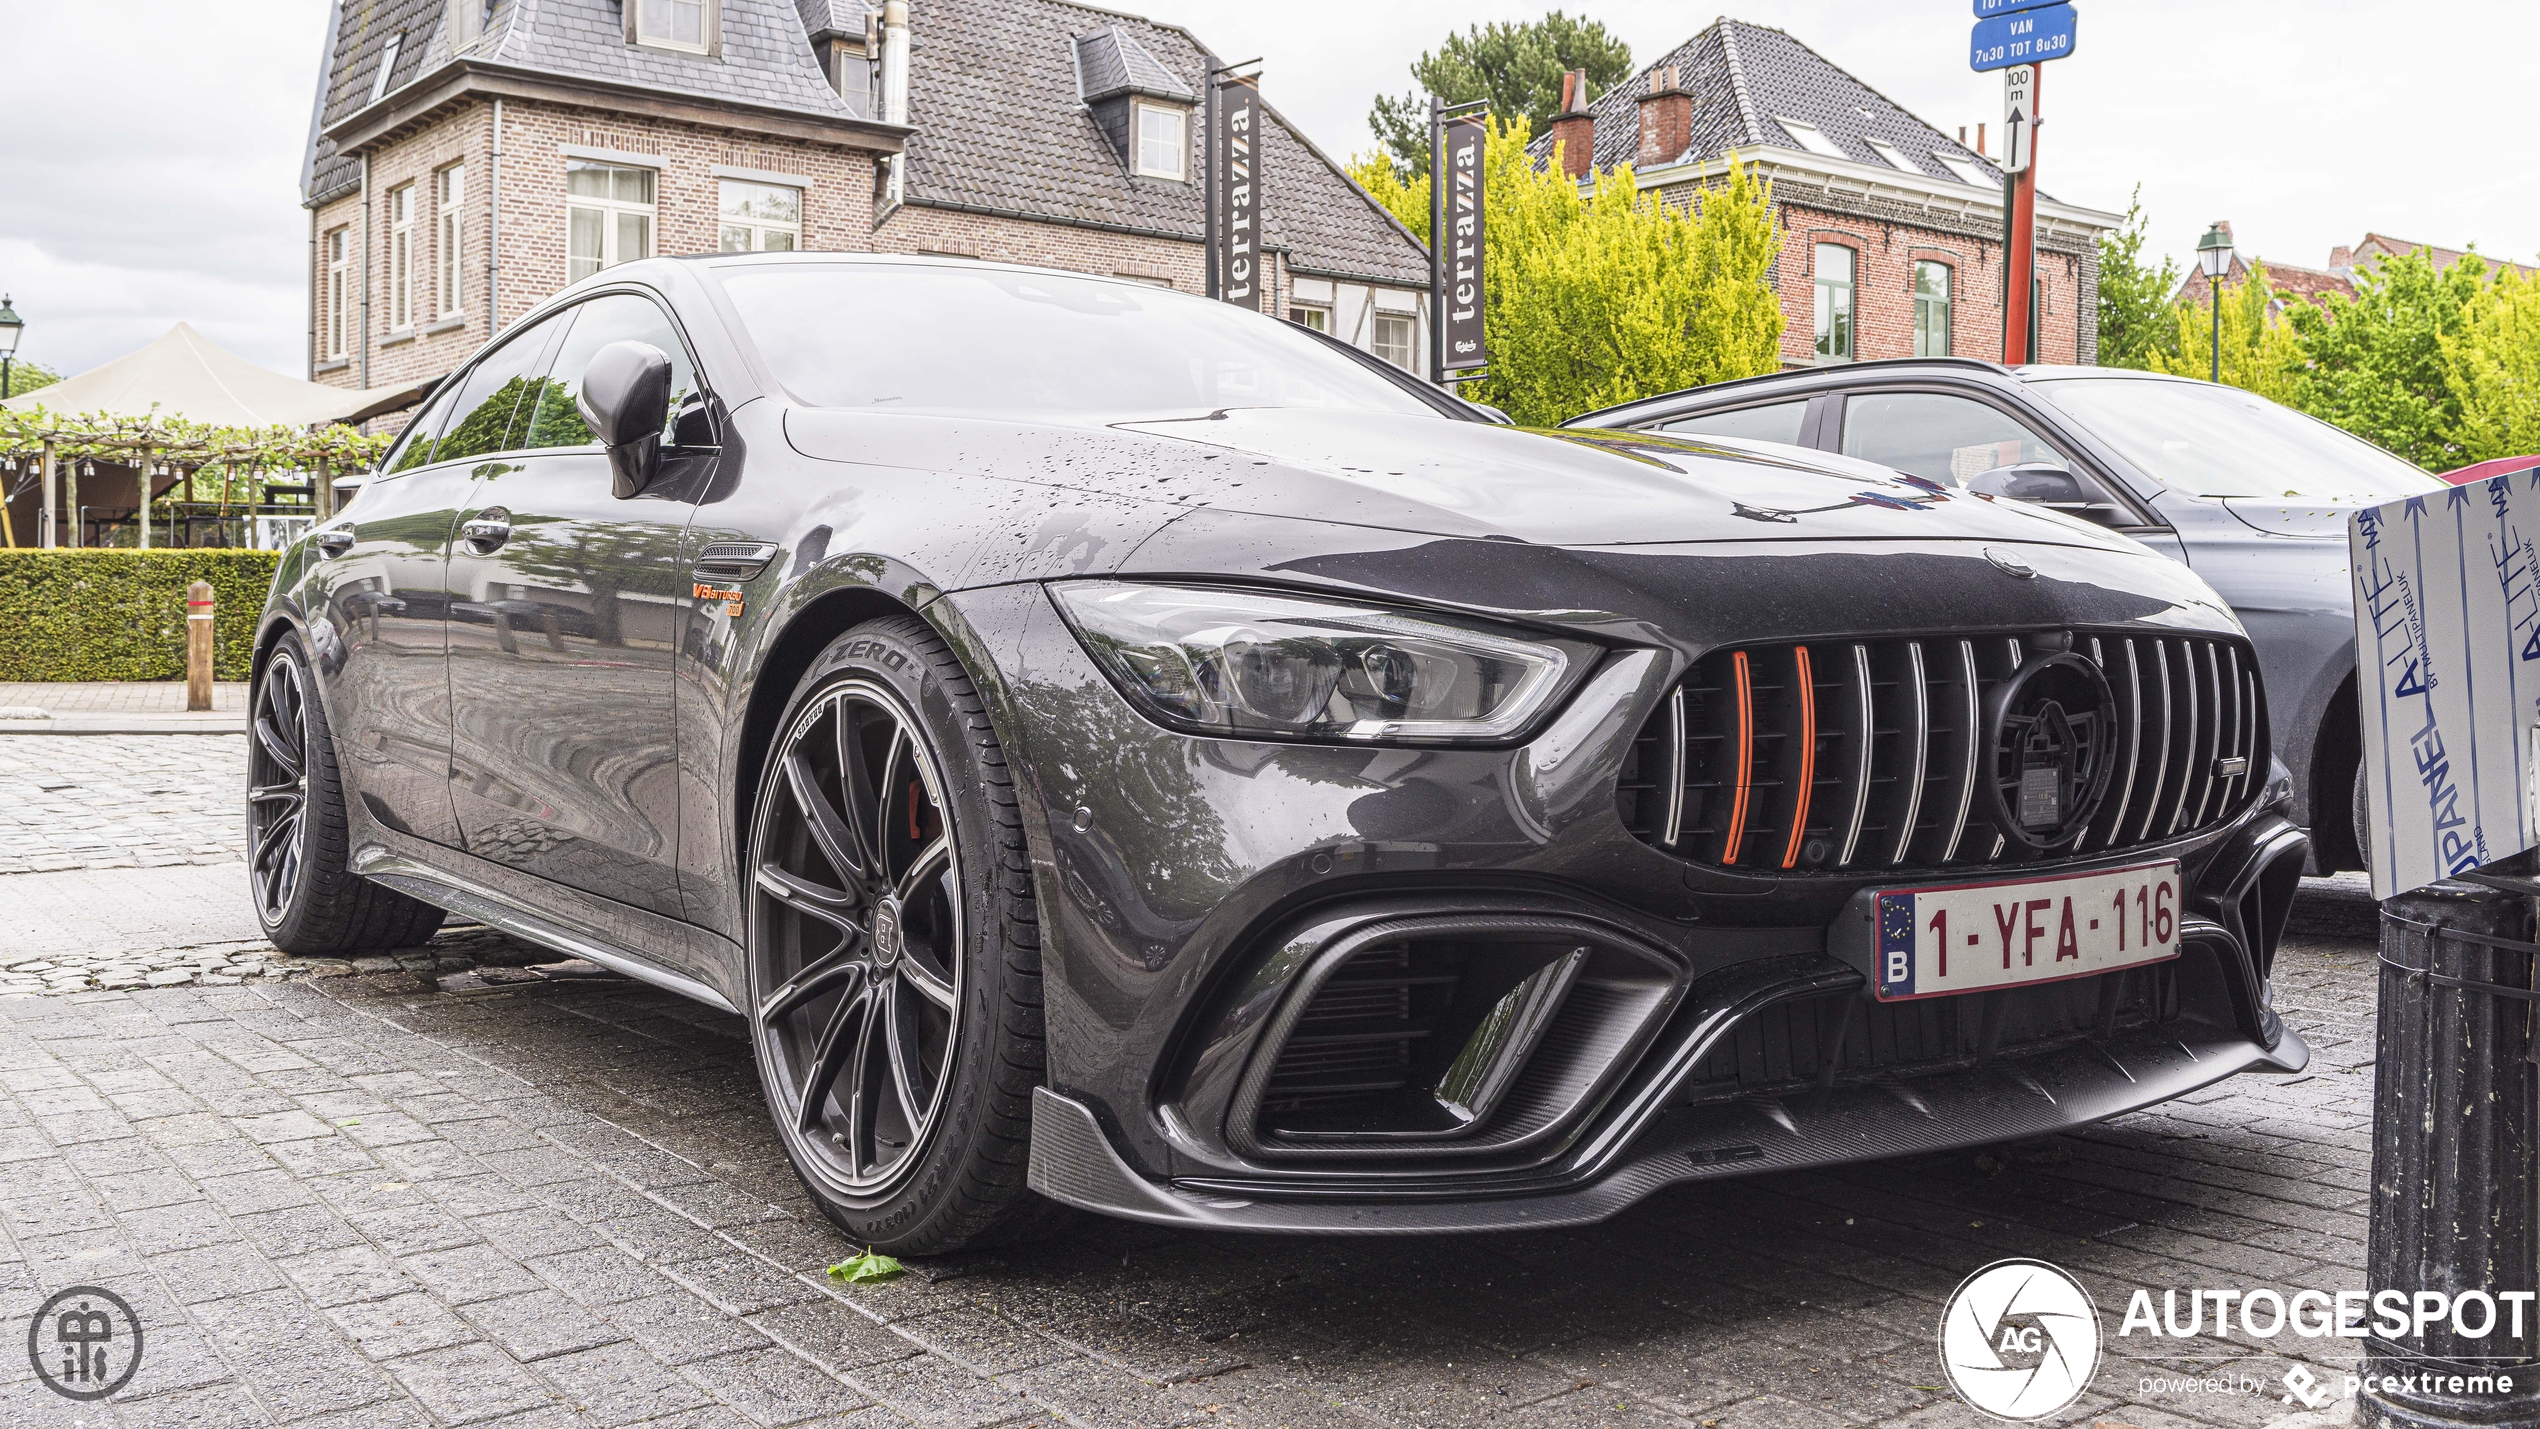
<point>1865,754</point>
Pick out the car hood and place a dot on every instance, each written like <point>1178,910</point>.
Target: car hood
<point>2276,516</point>
<point>1444,478</point>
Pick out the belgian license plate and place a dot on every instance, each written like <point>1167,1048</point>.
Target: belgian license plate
<point>1971,936</point>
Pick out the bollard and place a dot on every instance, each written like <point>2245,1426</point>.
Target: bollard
<point>2456,1128</point>
<point>198,646</point>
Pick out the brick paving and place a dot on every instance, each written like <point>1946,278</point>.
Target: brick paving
<point>116,696</point>
<point>99,801</point>
<point>405,1197</point>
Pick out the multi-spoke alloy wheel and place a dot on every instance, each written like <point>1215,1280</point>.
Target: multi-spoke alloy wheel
<point>859,935</point>
<point>894,960</point>
<point>299,842</point>
<point>278,787</point>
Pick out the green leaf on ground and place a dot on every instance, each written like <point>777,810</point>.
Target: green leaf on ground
<point>871,1265</point>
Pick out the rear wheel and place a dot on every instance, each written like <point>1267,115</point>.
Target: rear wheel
<point>308,900</point>
<point>894,959</point>
<point>2363,817</point>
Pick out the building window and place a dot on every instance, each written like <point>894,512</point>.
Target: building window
<point>1163,141</point>
<point>675,24</point>
<point>761,218</point>
<point>1834,303</point>
<point>1394,341</point>
<point>852,75</point>
<point>401,257</point>
<point>338,295</point>
<point>608,216</point>
<point>449,194</point>
<point>1931,309</point>
<point>1319,319</point>
<point>387,68</point>
<point>1811,138</point>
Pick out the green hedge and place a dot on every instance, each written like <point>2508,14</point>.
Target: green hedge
<point>120,615</point>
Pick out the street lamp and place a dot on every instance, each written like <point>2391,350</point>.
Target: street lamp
<point>2213,255</point>
<point>10,326</point>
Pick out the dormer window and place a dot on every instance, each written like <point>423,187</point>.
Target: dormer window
<point>689,25</point>
<point>1163,140</point>
<point>387,68</point>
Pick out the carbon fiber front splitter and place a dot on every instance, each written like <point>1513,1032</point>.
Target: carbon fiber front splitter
<point>2085,1082</point>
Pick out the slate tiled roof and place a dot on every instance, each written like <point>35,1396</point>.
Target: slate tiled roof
<point>832,17</point>
<point>766,59</point>
<point>1001,127</point>
<point>1744,77</point>
<point>1111,61</point>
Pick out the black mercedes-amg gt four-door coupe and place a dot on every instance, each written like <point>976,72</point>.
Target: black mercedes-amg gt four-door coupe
<point>1114,746</point>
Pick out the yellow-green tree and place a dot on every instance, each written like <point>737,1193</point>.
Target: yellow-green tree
<point>2493,370</point>
<point>1609,295</point>
<point>2260,352</point>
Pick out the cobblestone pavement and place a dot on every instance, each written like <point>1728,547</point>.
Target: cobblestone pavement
<point>99,801</point>
<point>407,1198</point>
<point>116,696</point>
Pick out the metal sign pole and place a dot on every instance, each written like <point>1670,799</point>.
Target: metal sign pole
<point>1211,196</point>
<point>1437,245</point>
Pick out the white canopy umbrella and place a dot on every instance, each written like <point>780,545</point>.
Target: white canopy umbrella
<point>185,374</point>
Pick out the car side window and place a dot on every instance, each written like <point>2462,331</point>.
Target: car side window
<point>414,445</point>
<point>488,408</point>
<point>1773,422</point>
<point>1938,437</point>
<point>613,317</point>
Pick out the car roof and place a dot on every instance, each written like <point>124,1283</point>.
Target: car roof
<point>1810,380</point>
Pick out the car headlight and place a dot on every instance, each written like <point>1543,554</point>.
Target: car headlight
<point>1251,663</point>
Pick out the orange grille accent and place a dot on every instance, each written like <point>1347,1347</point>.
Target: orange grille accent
<point>1745,757</point>
<point>1807,737</point>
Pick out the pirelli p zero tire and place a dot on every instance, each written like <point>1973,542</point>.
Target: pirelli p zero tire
<point>894,955</point>
<point>307,898</point>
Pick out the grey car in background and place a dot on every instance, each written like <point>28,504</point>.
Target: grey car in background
<point>2251,494</point>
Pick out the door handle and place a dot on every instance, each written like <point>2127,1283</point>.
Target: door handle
<point>334,541</point>
<point>487,530</point>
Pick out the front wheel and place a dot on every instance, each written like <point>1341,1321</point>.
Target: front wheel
<point>308,900</point>
<point>894,959</point>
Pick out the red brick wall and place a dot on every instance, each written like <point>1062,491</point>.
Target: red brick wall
<point>1883,288</point>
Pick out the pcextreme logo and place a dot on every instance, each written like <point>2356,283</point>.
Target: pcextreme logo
<point>2019,1339</point>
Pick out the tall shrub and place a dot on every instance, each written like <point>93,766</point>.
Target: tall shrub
<point>120,615</point>
<point>2375,364</point>
<point>2259,349</point>
<point>2493,370</point>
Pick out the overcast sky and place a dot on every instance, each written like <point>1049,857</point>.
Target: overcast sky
<point>150,149</point>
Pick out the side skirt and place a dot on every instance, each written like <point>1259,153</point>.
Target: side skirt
<point>470,898</point>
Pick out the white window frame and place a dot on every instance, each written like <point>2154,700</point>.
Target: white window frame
<point>1838,333</point>
<point>387,67</point>
<point>756,228</point>
<point>337,294</point>
<point>449,248</point>
<point>1946,304</point>
<point>401,257</point>
<point>1179,146</point>
<point>609,209</point>
<point>640,30</point>
<point>1410,341</point>
<point>1811,138</point>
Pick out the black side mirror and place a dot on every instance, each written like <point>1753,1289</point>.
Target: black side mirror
<point>2043,483</point>
<point>625,399</point>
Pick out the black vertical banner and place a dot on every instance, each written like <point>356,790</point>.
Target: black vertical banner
<point>1241,278</point>
<point>1461,311</point>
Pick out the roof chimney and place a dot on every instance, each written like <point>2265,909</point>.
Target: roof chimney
<point>1574,129</point>
<point>895,89</point>
<point>1666,119</point>
<point>2341,256</point>
<point>1980,141</point>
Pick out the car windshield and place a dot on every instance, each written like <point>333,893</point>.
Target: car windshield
<point>915,338</point>
<point>2204,440</point>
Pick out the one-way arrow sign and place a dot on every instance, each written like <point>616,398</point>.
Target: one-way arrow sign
<point>2019,116</point>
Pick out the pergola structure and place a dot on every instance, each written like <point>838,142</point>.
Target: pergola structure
<point>57,450</point>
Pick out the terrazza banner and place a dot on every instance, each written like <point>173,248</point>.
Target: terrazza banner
<point>1238,179</point>
<point>1460,305</point>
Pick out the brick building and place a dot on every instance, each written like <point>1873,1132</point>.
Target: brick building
<point>1891,232</point>
<point>467,158</point>
<point>2293,281</point>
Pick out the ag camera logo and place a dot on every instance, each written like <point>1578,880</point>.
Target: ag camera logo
<point>2019,1339</point>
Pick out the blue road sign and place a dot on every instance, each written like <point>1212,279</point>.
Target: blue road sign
<point>2021,37</point>
<point>1987,9</point>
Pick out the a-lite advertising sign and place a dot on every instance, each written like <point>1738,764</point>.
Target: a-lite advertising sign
<point>2447,655</point>
<point>1463,298</point>
<point>1238,170</point>
<point>2020,37</point>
